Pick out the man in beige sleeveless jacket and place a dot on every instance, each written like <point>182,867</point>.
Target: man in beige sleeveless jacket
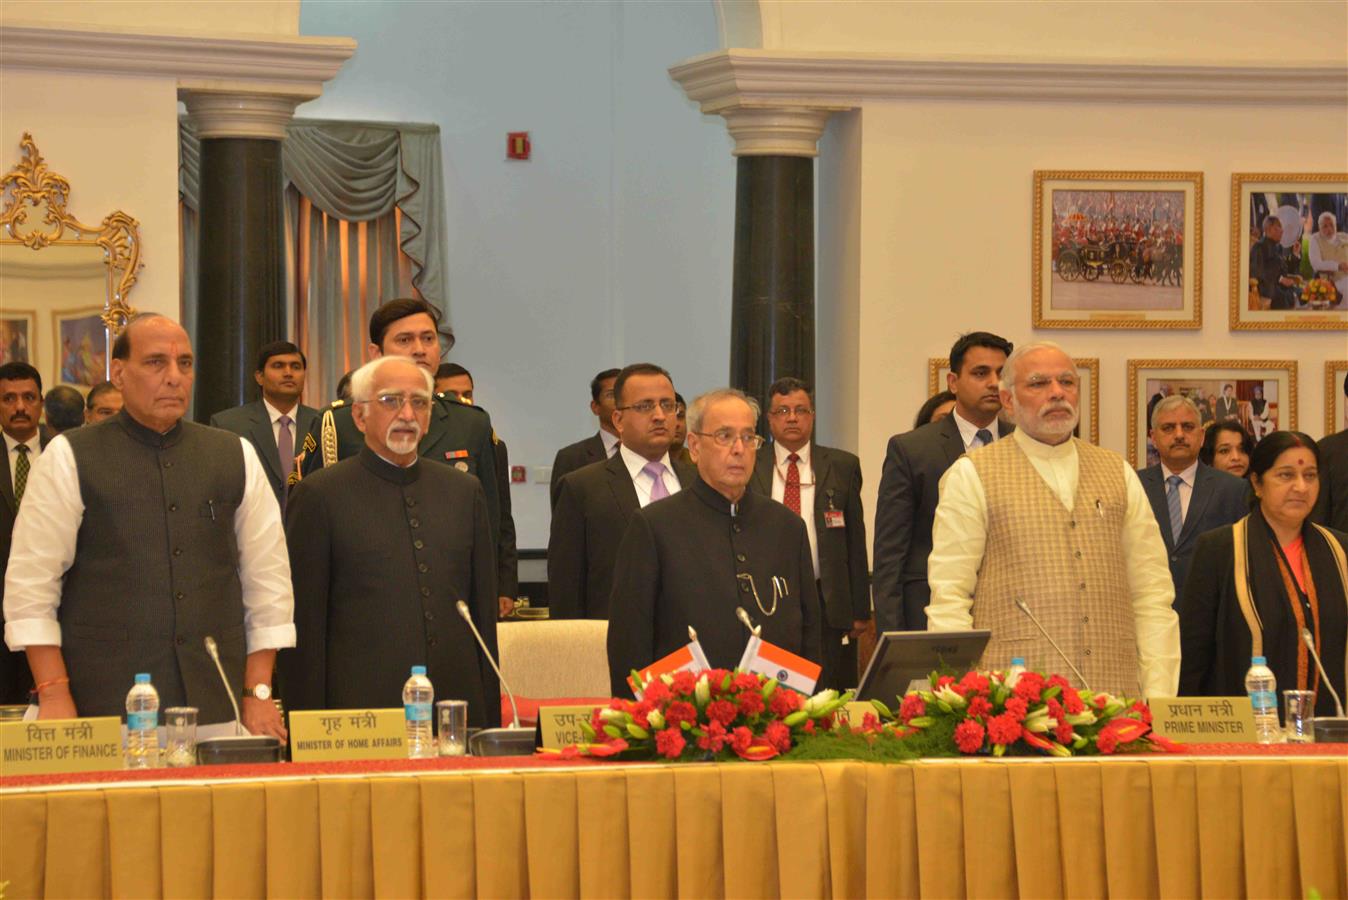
<point>1064,527</point>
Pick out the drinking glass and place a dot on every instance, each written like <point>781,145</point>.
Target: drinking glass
<point>452,724</point>
<point>180,724</point>
<point>1299,716</point>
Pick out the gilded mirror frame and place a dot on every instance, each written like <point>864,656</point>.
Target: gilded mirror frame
<point>31,186</point>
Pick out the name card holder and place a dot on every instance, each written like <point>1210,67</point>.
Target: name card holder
<point>559,726</point>
<point>329,735</point>
<point>1203,720</point>
<point>54,746</point>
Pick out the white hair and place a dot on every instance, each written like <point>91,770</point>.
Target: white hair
<point>363,379</point>
<point>1170,403</point>
<point>1009,367</point>
<point>1320,219</point>
<point>697,410</point>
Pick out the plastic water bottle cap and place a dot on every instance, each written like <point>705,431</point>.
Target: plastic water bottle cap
<point>142,678</point>
<point>1258,661</point>
<point>1017,661</point>
<point>416,670</point>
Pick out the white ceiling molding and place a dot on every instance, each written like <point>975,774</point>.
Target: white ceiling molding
<point>803,79</point>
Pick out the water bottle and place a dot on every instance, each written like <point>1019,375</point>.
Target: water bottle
<point>1263,690</point>
<point>1017,669</point>
<point>142,724</point>
<point>418,696</point>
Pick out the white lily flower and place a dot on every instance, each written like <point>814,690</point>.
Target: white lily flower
<point>1039,721</point>
<point>820,700</point>
<point>702,691</point>
<point>950,696</point>
<point>656,718</point>
<point>612,715</point>
<point>1085,717</point>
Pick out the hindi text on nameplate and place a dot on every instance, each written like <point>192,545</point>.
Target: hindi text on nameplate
<point>51,746</point>
<point>560,725</point>
<point>1203,720</point>
<point>325,735</point>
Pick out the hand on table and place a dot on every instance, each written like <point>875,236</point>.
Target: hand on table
<point>262,717</point>
<point>505,606</point>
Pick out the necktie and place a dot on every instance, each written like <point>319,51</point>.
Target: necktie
<point>984,436</point>
<point>791,495</point>
<point>658,489</point>
<point>21,466</point>
<point>1176,508</point>
<point>285,448</point>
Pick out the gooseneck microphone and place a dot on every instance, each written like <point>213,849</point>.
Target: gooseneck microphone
<point>1075,671</point>
<point>215,656</point>
<point>1309,640</point>
<point>514,710</point>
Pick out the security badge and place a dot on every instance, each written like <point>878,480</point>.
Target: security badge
<point>459,458</point>
<point>833,518</point>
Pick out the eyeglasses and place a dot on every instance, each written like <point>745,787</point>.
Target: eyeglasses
<point>393,402</point>
<point>800,411</point>
<point>646,407</point>
<point>727,437</point>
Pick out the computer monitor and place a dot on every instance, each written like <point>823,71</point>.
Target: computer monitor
<point>904,660</point>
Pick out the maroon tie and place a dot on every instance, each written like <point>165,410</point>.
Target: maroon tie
<point>791,496</point>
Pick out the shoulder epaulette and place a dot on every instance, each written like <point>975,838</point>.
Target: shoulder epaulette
<point>337,404</point>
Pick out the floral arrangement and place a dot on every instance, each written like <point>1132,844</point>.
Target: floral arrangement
<point>1318,292</point>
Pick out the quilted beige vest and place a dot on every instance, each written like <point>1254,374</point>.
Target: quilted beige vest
<point>1066,565</point>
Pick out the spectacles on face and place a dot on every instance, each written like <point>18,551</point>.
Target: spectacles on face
<point>393,402</point>
<point>782,411</point>
<point>726,437</point>
<point>646,407</point>
<point>1041,382</point>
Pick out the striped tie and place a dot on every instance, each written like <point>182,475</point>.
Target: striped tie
<point>1176,508</point>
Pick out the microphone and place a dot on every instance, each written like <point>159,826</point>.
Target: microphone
<point>1075,671</point>
<point>1309,641</point>
<point>215,655</point>
<point>748,623</point>
<point>514,710</point>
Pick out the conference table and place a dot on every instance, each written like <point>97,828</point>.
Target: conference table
<point>1217,821</point>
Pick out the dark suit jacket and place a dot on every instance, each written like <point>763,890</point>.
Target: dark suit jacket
<point>1218,499</point>
<point>1227,409</point>
<point>1331,508</point>
<point>252,422</point>
<point>15,677</point>
<point>593,506</point>
<point>572,457</point>
<point>843,570</point>
<point>507,554</point>
<point>904,512</point>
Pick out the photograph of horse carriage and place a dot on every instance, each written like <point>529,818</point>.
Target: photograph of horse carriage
<point>1129,237</point>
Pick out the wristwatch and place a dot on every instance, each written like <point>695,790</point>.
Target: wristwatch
<point>258,691</point>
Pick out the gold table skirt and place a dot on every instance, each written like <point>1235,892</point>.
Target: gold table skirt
<point>1152,827</point>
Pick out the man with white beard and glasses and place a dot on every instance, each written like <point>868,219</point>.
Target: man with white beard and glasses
<point>1063,527</point>
<point>383,544</point>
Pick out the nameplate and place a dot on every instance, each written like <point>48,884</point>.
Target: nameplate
<point>857,710</point>
<point>559,726</point>
<point>324,735</point>
<point>1203,720</point>
<point>50,746</point>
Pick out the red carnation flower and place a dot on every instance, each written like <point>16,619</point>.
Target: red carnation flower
<point>1059,682</point>
<point>973,683</point>
<point>740,739</point>
<point>1017,708</point>
<point>778,736</point>
<point>745,681</point>
<point>751,703</point>
<point>1004,729</point>
<point>979,707</point>
<point>943,680</point>
<point>683,683</point>
<point>715,677</point>
<point>714,739</point>
<point>784,702</point>
<point>1029,686</point>
<point>681,711</point>
<point>969,736</point>
<point>870,722</point>
<point>670,742</point>
<point>1064,734</point>
<point>722,711</point>
<point>911,707</point>
<point>1072,702</point>
<point>656,692</point>
<point>1107,741</point>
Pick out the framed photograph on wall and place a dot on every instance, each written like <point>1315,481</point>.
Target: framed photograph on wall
<point>1336,403</point>
<point>1289,252</point>
<point>81,346</point>
<point>18,336</point>
<point>1261,394</point>
<point>1088,370</point>
<point>1118,249</point>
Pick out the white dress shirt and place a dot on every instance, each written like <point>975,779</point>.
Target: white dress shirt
<point>1186,489</point>
<point>969,431</point>
<point>959,536</point>
<point>44,549</point>
<point>610,442</point>
<point>643,481</point>
<point>34,451</point>
<point>275,415</point>
<point>780,454</point>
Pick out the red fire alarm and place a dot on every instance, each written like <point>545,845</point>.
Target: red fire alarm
<point>517,475</point>
<point>517,145</point>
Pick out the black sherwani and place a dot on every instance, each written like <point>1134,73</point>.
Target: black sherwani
<point>677,566</point>
<point>1331,507</point>
<point>379,555</point>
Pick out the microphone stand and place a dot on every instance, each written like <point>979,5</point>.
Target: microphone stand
<point>1075,671</point>
<point>239,747</point>
<point>509,741</point>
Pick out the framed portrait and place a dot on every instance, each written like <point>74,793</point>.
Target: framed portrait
<point>1088,370</point>
<point>1336,403</point>
<point>18,336</point>
<point>1118,249</point>
<point>1289,252</point>
<point>1260,394</point>
<point>81,346</point>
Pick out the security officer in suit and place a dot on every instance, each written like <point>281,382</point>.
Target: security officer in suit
<point>20,409</point>
<point>910,480</point>
<point>823,486</point>
<point>595,502</point>
<point>459,435</point>
<point>275,423</point>
<point>1187,497</point>
<point>597,447</point>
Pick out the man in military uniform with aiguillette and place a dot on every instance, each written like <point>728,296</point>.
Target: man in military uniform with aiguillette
<point>459,435</point>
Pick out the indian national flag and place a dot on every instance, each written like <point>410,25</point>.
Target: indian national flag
<point>689,656</point>
<point>772,661</point>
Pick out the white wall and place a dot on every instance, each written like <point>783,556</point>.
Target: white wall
<point>613,245</point>
<point>253,17</point>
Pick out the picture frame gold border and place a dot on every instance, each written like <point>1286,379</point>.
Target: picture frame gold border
<point>57,317</point>
<point>1335,371</point>
<point>1038,317</point>
<point>1238,181</point>
<point>936,363</point>
<point>29,315</point>
<point>1136,365</point>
